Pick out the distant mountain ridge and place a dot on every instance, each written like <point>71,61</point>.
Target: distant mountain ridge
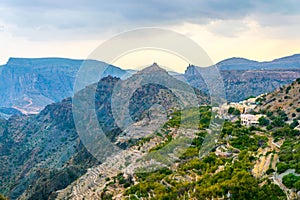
<point>29,84</point>
<point>288,62</point>
<point>243,78</point>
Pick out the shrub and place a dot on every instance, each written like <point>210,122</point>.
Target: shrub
<point>269,113</point>
<point>288,89</point>
<point>269,127</point>
<point>278,122</point>
<point>290,180</point>
<point>231,110</point>
<point>294,124</point>
<point>282,167</point>
<point>270,171</point>
<point>263,121</point>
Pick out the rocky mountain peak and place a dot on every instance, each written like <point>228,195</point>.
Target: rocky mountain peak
<point>191,70</point>
<point>154,68</point>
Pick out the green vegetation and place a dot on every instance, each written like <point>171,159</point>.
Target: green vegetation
<point>191,118</point>
<point>294,124</point>
<point>282,167</point>
<point>250,97</point>
<point>233,111</point>
<point>291,181</point>
<point>289,156</point>
<point>235,178</point>
<point>242,137</point>
<point>263,121</point>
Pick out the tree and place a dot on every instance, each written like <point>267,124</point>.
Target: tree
<point>290,180</point>
<point>294,124</point>
<point>297,185</point>
<point>263,121</point>
<point>270,171</point>
<point>278,122</point>
<point>231,110</point>
<point>281,167</point>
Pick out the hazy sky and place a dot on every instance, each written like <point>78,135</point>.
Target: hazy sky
<point>259,30</point>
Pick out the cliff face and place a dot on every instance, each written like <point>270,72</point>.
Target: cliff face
<point>243,78</point>
<point>28,85</point>
<point>242,84</point>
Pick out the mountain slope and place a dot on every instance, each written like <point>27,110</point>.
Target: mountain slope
<point>246,163</point>
<point>43,153</point>
<point>285,98</point>
<point>28,85</point>
<point>243,78</point>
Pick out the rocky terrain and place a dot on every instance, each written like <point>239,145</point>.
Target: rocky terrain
<point>248,162</point>
<point>285,98</point>
<point>28,85</point>
<point>243,78</point>
<point>43,153</point>
<point>44,158</point>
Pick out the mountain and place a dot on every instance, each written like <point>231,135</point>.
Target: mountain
<point>257,162</point>
<point>243,78</point>
<point>288,62</point>
<point>238,64</point>
<point>29,84</point>
<point>41,154</point>
<point>6,113</point>
<point>285,98</point>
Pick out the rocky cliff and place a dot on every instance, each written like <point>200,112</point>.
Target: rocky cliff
<point>243,78</point>
<point>28,85</point>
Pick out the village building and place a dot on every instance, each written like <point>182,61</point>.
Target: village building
<point>250,120</point>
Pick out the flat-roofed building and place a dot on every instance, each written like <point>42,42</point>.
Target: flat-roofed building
<point>250,120</point>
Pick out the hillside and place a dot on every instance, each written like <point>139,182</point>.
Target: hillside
<point>248,162</point>
<point>286,98</point>
<point>43,153</point>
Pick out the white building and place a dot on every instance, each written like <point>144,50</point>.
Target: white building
<point>250,120</point>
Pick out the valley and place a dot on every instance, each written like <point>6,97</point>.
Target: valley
<point>159,158</point>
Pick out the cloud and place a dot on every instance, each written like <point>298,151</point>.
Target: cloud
<point>53,19</point>
<point>73,28</point>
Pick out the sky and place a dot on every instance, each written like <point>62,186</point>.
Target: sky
<point>258,30</point>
